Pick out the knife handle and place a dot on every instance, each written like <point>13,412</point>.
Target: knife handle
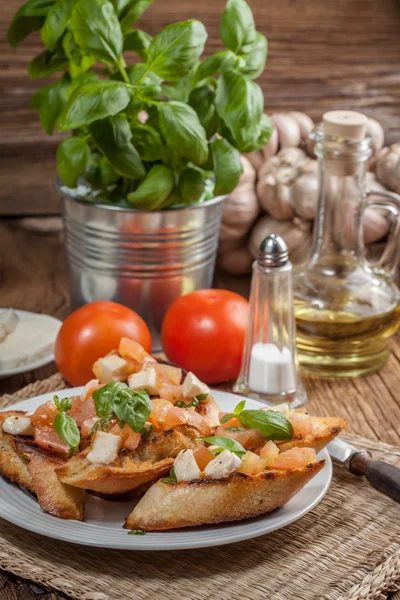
<point>382,476</point>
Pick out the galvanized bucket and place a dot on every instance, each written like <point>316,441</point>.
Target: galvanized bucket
<point>143,259</point>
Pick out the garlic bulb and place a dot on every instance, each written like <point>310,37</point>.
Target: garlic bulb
<point>387,168</point>
<point>256,159</point>
<point>272,147</point>
<point>237,262</point>
<point>305,123</point>
<point>289,132</point>
<point>297,235</point>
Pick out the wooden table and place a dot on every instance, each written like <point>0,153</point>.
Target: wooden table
<point>33,277</point>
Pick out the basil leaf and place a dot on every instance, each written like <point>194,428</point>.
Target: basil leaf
<point>132,407</point>
<point>104,398</point>
<point>226,444</point>
<point>138,41</point>
<point>50,101</point>
<point>102,424</point>
<point>148,142</point>
<point>103,174</point>
<point>175,50</point>
<point>235,429</point>
<point>73,155</point>
<point>113,137</point>
<point>265,131</point>
<point>227,166</point>
<point>202,99</point>
<point>181,404</point>
<point>129,11</point>
<point>272,424</point>
<point>201,397</point>
<point>96,29</point>
<point>93,101</point>
<point>172,477</point>
<point>79,62</point>
<point>255,57</point>
<point>154,189</point>
<point>80,80</point>
<point>227,417</point>
<point>63,405</point>
<point>29,17</point>
<point>182,131</point>
<point>137,532</point>
<point>237,25</point>
<point>191,184</point>
<point>240,103</point>
<point>239,408</point>
<point>46,63</point>
<point>219,62</point>
<point>56,22</point>
<point>68,430</point>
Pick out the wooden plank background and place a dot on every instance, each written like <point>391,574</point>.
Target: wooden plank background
<point>323,54</point>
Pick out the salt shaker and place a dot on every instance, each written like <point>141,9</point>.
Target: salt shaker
<point>269,369</point>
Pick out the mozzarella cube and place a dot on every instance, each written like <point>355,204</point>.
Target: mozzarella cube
<point>110,368</point>
<point>104,449</point>
<point>192,386</point>
<point>223,465</point>
<point>144,380</point>
<point>18,425</point>
<point>186,467</point>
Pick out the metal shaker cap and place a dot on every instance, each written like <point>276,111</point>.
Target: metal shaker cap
<point>273,252</point>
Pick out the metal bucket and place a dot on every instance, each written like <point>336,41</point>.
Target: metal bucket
<point>143,259</point>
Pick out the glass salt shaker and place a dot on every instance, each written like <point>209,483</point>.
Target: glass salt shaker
<point>269,369</point>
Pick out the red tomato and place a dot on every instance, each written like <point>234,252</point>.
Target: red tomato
<point>204,332</point>
<point>91,332</point>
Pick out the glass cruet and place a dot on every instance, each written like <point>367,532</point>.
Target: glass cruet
<point>346,307</point>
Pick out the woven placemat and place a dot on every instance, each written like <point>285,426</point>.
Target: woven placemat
<point>347,548</point>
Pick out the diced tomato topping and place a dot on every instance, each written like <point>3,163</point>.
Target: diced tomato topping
<point>48,439</point>
<point>135,353</point>
<point>302,424</point>
<point>172,393</point>
<point>165,374</point>
<point>44,414</point>
<point>87,426</point>
<point>89,388</point>
<point>159,409</point>
<point>249,463</point>
<point>295,458</point>
<point>250,439</point>
<point>82,410</point>
<point>203,456</point>
<point>129,437</point>
<point>234,422</point>
<point>269,453</point>
<point>177,416</point>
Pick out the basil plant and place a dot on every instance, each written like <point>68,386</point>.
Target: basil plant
<point>166,130</point>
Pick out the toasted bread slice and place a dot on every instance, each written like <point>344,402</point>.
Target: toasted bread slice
<point>325,430</point>
<point>209,501</point>
<point>153,459</point>
<point>56,498</point>
<point>12,465</point>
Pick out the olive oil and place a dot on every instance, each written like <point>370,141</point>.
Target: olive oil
<point>342,344</point>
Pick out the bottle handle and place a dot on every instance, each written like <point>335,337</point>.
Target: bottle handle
<point>389,260</point>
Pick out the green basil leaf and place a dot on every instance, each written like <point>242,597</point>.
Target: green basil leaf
<point>132,407</point>
<point>201,397</point>
<point>272,424</point>
<point>46,63</point>
<point>56,22</point>
<point>227,166</point>
<point>255,57</point>
<point>239,408</point>
<point>202,99</point>
<point>102,424</point>
<point>138,41</point>
<point>191,184</point>
<point>80,80</point>
<point>227,417</point>
<point>180,404</point>
<point>73,155</point>
<point>103,175</point>
<point>240,103</point>
<point>265,131</point>
<point>50,101</point>
<point>237,25</point>
<point>96,29</point>
<point>104,398</point>
<point>68,430</point>
<point>182,131</point>
<point>175,50</point>
<point>219,62</point>
<point>29,17</point>
<point>148,142</point>
<point>226,444</point>
<point>79,62</point>
<point>113,137</point>
<point>63,405</point>
<point>172,477</point>
<point>129,11</point>
<point>154,189</point>
<point>93,101</point>
<point>137,532</point>
<point>235,429</point>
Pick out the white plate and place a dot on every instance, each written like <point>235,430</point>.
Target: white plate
<point>104,518</point>
<point>47,358</point>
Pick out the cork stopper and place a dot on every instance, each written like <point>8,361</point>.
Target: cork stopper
<point>347,124</point>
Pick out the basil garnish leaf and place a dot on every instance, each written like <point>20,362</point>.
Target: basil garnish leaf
<point>235,429</point>
<point>63,405</point>
<point>226,443</point>
<point>102,424</point>
<point>181,404</point>
<point>137,532</point>
<point>239,408</point>
<point>201,397</point>
<point>130,406</point>
<point>172,477</point>
<point>273,425</point>
<point>68,430</point>
<point>104,398</point>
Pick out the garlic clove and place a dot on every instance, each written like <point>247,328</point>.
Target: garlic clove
<point>305,196</point>
<point>272,147</point>
<point>256,159</point>
<point>298,239</point>
<point>305,123</point>
<point>249,172</point>
<point>288,130</point>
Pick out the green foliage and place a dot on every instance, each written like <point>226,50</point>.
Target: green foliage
<point>163,131</point>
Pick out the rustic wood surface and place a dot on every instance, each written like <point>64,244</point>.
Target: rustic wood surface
<point>322,55</point>
<point>33,277</point>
